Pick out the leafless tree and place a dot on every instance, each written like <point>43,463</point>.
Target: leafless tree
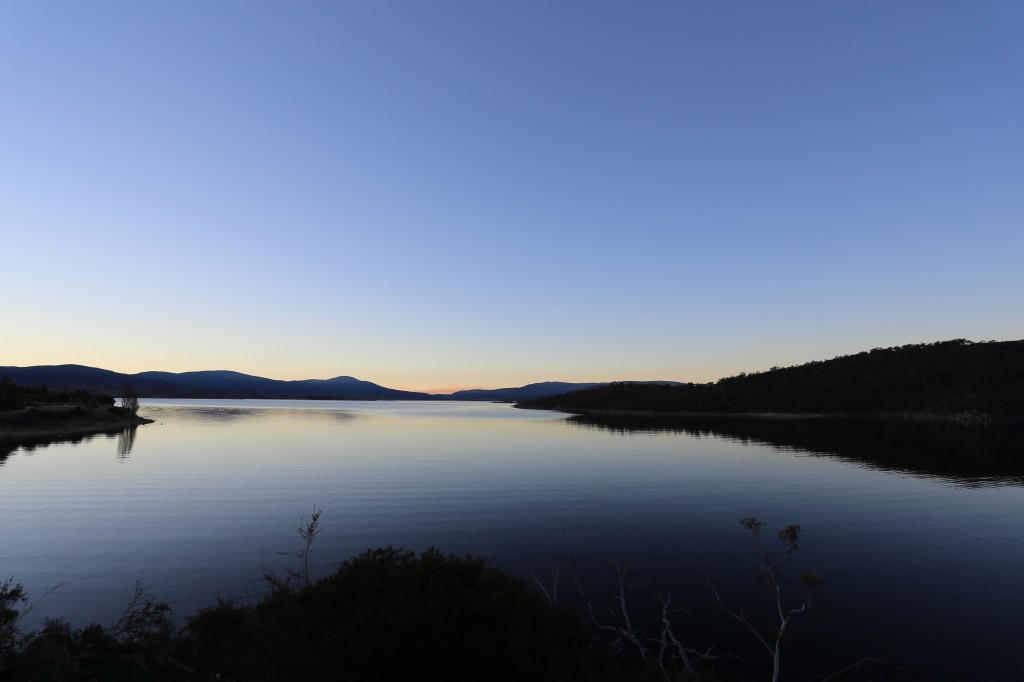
<point>130,399</point>
<point>664,653</point>
<point>307,530</point>
<point>769,568</point>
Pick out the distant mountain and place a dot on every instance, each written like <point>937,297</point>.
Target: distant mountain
<point>951,378</point>
<point>227,384</point>
<point>78,377</point>
<point>529,392</point>
<point>345,385</point>
<point>207,384</point>
<point>544,389</point>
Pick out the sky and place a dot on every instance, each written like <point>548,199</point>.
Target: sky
<point>437,195</point>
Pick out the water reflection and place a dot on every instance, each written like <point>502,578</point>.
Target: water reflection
<point>218,414</point>
<point>6,450</point>
<point>968,455</point>
<point>223,415</point>
<point>30,445</point>
<point>125,442</point>
<point>902,556</point>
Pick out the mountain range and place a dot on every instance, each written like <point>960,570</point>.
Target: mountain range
<point>227,384</point>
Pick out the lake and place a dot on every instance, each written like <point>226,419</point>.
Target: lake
<point>917,528</point>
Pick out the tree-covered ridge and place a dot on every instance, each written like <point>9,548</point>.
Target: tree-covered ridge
<point>957,377</point>
<point>14,397</point>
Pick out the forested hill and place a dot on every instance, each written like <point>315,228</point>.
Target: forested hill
<point>945,378</point>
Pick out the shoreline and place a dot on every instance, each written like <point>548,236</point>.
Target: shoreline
<point>45,423</point>
<point>973,419</point>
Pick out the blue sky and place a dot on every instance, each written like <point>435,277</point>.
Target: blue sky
<point>439,194</point>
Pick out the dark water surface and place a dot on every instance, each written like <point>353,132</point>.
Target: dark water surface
<point>917,529</point>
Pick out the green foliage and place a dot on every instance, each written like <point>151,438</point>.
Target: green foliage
<point>393,614</point>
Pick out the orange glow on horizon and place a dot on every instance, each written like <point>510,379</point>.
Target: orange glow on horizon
<point>443,390</point>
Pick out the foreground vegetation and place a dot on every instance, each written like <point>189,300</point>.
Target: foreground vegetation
<point>972,381</point>
<point>385,614</point>
<point>394,614</point>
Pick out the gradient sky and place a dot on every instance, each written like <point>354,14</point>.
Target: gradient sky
<point>445,194</point>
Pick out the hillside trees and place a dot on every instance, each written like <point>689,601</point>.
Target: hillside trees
<point>955,377</point>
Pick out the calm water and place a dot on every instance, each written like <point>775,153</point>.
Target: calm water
<point>918,530</point>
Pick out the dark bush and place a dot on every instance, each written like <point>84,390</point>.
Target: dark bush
<point>11,397</point>
<point>390,614</point>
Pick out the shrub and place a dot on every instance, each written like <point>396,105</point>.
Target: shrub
<point>392,614</point>
<point>11,397</point>
<point>12,605</point>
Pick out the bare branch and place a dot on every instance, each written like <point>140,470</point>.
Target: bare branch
<point>770,568</point>
<point>556,570</point>
<point>738,616</point>
<point>666,631</point>
<point>308,531</point>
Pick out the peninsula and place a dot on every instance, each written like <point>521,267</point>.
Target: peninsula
<point>37,423</point>
<point>956,379</point>
<point>39,414</point>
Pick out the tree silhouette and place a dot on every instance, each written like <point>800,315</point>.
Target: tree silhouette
<point>130,399</point>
